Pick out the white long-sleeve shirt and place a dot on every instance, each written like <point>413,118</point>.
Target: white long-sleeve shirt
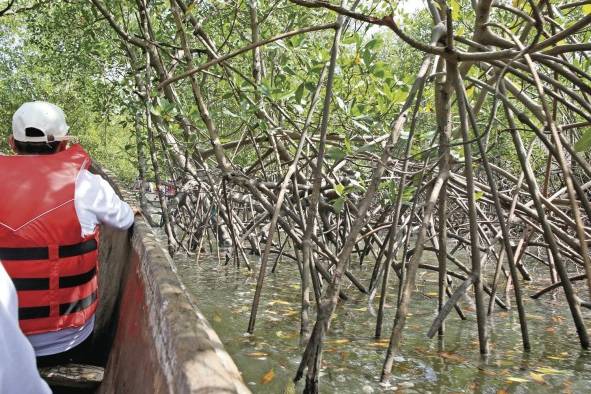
<point>96,203</point>
<point>18,369</point>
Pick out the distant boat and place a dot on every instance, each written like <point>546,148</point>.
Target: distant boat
<point>166,188</point>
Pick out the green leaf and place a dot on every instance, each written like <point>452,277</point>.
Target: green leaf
<point>455,9</point>
<point>295,41</point>
<point>156,111</point>
<point>478,195</point>
<point>399,96</point>
<point>353,39</point>
<point>310,86</point>
<point>357,109</point>
<point>379,70</point>
<point>354,187</point>
<point>166,105</point>
<point>338,204</point>
<point>584,142</point>
<point>278,94</point>
<point>265,89</point>
<point>408,194</point>
<point>317,67</point>
<point>587,9</point>
<point>339,188</point>
<point>367,56</point>
<point>347,145</point>
<point>392,189</point>
<point>376,43</point>
<point>336,154</point>
<point>289,70</point>
<point>299,93</point>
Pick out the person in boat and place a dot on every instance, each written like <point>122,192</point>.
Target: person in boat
<point>50,214</point>
<point>18,370</point>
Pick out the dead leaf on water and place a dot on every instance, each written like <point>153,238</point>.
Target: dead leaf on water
<point>381,343</point>
<point>268,377</point>
<point>338,341</point>
<point>567,388</point>
<point>487,372</point>
<point>241,309</point>
<point>537,377</point>
<point>557,319</point>
<point>505,363</point>
<point>257,354</point>
<point>280,302</point>
<point>552,371</point>
<point>289,387</point>
<point>217,317</point>
<point>556,358</point>
<point>289,313</point>
<point>452,357</point>
<point>285,335</point>
<point>514,379</point>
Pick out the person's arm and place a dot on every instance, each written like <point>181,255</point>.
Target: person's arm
<point>97,203</point>
<point>18,368</point>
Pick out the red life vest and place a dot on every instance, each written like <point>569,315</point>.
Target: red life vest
<point>53,267</point>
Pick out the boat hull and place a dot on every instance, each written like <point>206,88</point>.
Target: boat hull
<point>158,341</point>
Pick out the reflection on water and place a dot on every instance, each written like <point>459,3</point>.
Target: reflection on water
<point>353,359</point>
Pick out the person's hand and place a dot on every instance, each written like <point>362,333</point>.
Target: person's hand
<point>137,211</point>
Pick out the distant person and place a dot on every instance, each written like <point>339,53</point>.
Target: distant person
<point>49,217</point>
<point>18,371</point>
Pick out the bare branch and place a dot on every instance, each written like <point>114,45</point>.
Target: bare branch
<point>241,51</point>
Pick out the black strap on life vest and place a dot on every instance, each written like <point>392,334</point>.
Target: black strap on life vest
<point>38,312</point>
<point>42,253</point>
<point>31,284</point>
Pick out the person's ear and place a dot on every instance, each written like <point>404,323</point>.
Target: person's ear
<point>11,143</point>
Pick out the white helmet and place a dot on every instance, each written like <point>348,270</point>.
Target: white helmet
<point>39,121</point>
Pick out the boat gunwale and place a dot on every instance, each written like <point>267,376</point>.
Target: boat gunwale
<point>189,352</point>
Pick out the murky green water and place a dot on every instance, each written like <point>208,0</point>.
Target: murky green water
<point>353,360</point>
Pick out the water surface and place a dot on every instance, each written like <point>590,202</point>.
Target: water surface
<point>353,359</point>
